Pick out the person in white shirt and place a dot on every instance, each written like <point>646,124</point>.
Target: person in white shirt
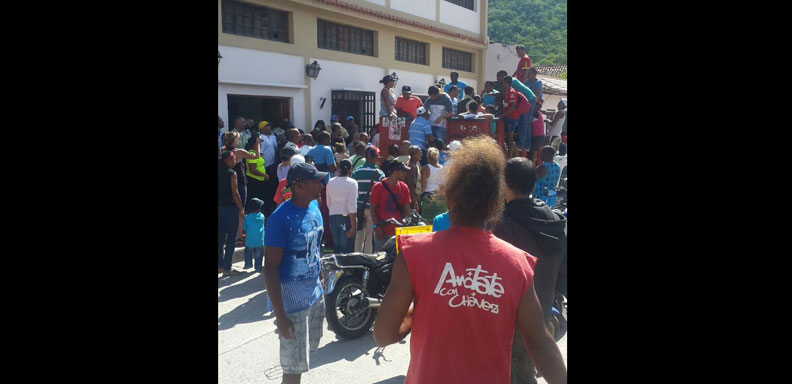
<point>342,196</point>
<point>269,151</point>
<point>308,144</point>
<point>473,113</point>
<point>432,178</point>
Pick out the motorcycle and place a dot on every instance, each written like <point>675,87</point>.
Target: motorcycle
<point>356,284</point>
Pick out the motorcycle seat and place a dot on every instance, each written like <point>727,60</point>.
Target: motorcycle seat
<point>364,259</point>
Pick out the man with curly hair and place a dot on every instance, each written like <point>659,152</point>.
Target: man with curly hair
<point>463,279</point>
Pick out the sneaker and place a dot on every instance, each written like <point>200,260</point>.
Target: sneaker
<point>259,270</point>
<point>247,266</point>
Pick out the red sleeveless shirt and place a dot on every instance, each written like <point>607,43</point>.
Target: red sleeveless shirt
<point>467,285</point>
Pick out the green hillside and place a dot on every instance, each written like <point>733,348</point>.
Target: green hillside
<point>540,25</point>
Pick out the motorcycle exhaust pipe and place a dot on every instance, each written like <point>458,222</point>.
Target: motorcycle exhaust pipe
<point>373,303</point>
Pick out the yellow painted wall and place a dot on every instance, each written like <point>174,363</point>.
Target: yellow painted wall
<point>303,17</point>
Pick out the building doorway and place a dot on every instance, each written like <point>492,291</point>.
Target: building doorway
<point>359,105</point>
<point>258,108</point>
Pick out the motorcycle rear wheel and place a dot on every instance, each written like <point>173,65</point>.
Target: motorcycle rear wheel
<point>337,305</point>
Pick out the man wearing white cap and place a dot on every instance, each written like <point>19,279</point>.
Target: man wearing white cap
<point>421,131</point>
<point>452,147</point>
<point>557,123</point>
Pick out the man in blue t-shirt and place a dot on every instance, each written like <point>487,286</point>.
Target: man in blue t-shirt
<point>292,269</point>
<point>455,81</point>
<point>322,155</point>
<point>421,131</point>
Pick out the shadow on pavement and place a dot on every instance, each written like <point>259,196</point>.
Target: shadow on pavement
<point>252,310</point>
<point>226,281</point>
<point>255,284</point>
<point>393,380</point>
<point>348,350</point>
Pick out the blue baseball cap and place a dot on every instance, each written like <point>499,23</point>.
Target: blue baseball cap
<point>350,118</point>
<point>334,118</point>
<point>302,172</point>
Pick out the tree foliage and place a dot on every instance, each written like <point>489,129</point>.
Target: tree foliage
<point>540,25</point>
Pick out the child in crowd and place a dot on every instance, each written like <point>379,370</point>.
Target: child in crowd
<point>547,176</point>
<point>537,135</point>
<point>253,225</point>
<point>282,192</point>
<point>491,110</point>
<point>473,113</point>
<point>283,168</point>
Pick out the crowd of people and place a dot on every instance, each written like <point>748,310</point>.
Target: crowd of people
<point>289,194</point>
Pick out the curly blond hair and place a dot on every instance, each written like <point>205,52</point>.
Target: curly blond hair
<point>474,182</point>
<point>228,138</point>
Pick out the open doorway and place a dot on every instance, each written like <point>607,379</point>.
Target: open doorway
<point>258,108</point>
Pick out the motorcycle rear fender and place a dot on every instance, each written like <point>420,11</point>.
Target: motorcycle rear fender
<point>336,274</point>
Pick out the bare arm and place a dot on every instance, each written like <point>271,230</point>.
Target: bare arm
<point>512,106</point>
<point>235,195</point>
<point>541,346</point>
<point>272,279</point>
<point>424,176</point>
<point>394,320</point>
<point>241,153</point>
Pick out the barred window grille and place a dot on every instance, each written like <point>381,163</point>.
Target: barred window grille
<point>255,21</point>
<point>463,3</point>
<point>411,51</point>
<point>453,59</point>
<point>338,37</point>
<point>360,105</point>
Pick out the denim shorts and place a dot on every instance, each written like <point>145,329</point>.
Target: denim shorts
<point>511,125</point>
<point>308,327</point>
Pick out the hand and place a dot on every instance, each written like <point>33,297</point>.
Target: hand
<point>436,122</point>
<point>266,177</point>
<point>350,233</point>
<point>285,327</point>
<point>406,325</point>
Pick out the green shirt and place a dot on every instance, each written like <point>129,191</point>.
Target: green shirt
<point>363,177</point>
<point>259,161</point>
<point>360,160</point>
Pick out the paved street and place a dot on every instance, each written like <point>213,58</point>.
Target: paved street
<point>248,345</point>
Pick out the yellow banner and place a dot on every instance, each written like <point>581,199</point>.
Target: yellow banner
<point>410,231</point>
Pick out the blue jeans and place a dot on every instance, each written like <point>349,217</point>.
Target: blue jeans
<point>227,223</point>
<point>524,132</point>
<point>510,125</point>
<point>339,225</point>
<point>252,253</point>
<point>439,133</point>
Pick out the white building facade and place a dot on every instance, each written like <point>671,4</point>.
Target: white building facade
<point>266,46</point>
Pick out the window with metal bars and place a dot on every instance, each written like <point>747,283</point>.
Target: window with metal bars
<point>411,51</point>
<point>255,21</point>
<point>453,59</point>
<point>338,37</point>
<point>463,3</point>
<point>359,105</point>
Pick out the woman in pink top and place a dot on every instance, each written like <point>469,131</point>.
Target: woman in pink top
<point>469,288</point>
